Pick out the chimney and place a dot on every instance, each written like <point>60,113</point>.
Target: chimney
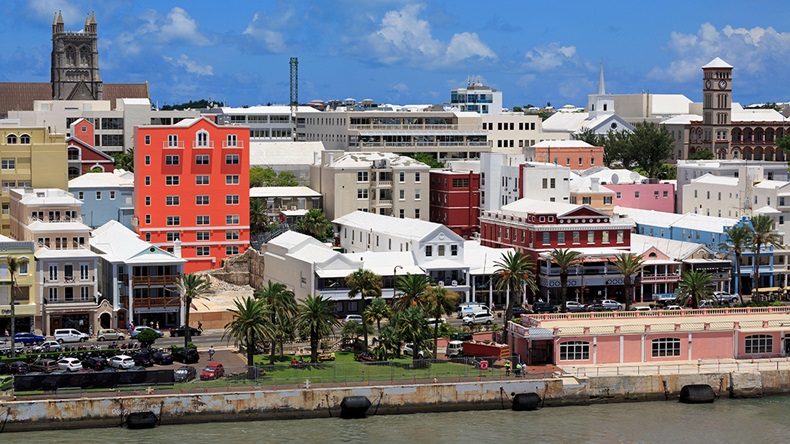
<point>594,183</point>
<point>177,248</point>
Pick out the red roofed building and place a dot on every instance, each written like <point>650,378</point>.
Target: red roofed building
<point>83,157</point>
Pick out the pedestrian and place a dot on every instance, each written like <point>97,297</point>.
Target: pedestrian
<point>200,326</point>
<point>157,325</point>
<point>131,326</point>
<point>90,331</point>
<point>211,353</point>
<point>507,368</point>
<point>7,334</point>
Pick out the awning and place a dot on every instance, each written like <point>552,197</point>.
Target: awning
<point>536,333</point>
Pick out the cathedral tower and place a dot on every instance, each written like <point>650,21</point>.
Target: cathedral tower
<point>75,61</point>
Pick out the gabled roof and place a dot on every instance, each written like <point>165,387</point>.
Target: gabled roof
<point>716,180</point>
<point>406,228</point>
<point>526,206</point>
<point>19,96</point>
<point>120,244</point>
<point>689,221</point>
<point>75,141</point>
<point>562,144</point>
<point>717,63</point>
<point>674,249</point>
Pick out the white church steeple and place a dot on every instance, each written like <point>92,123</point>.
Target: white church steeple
<point>601,103</point>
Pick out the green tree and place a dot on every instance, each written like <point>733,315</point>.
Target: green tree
<point>695,286</point>
<point>515,270</point>
<point>739,240</point>
<point>267,177</point>
<point>565,259</point>
<point>618,149</point>
<point>124,160</point>
<point>411,288</point>
<point>701,155</point>
<point>413,327</point>
<point>376,311</point>
<point>364,283</point>
<point>258,219</point>
<point>387,343</point>
<point>191,287</point>
<point>590,136</point>
<point>629,265</point>
<point>315,224</point>
<point>147,337</point>
<point>13,268</point>
<point>763,234</point>
<point>439,301</point>
<point>280,302</point>
<point>249,328</point>
<point>784,142</point>
<point>427,158</point>
<point>315,319</point>
<point>652,144</point>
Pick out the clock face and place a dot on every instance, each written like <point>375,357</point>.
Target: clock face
<point>722,84</point>
<point>707,84</point>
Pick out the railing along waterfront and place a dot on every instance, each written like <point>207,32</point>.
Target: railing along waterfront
<point>660,313</point>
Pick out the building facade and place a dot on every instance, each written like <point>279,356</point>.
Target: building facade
<point>505,177</point>
<point>477,98</point>
<point>26,309</point>
<point>192,185</point>
<point>75,61</point>
<point>105,197</point>
<point>83,157</point>
<point>455,200</point>
<point>577,155</point>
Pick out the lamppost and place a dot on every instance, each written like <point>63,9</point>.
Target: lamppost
<point>395,278</point>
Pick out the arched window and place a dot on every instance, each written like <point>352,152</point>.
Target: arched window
<point>758,344</point>
<point>74,153</point>
<point>24,139</point>
<point>666,347</point>
<point>202,139</point>
<point>11,139</point>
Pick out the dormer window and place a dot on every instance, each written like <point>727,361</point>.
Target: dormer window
<point>24,139</point>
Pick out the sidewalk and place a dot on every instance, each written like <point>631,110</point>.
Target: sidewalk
<point>679,367</point>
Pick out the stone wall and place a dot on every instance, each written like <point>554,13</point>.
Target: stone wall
<point>243,269</point>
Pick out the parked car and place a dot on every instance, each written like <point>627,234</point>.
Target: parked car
<point>6,349</point>
<point>122,361</point>
<point>479,318</point>
<point>19,368</point>
<point>213,371</point>
<point>544,307</point>
<point>574,307</point>
<point>353,318</point>
<point>162,358</point>
<point>724,297</point>
<point>95,363</point>
<point>642,308</point>
<point>70,335</point>
<point>184,374</point>
<point>434,321</point>
<point>70,364</point>
<point>109,334</point>
<point>47,346</point>
<point>181,331</point>
<point>4,368</point>
<point>607,304</point>
<point>673,307</point>
<point>519,310</point>
<point>664,297</point>
<point>44,365</point>
<point>29,338</point>
<point>408,350</point>
<point>143,359</point>
<point>6,382</point>
<point>186,355</point>
<point>140,328</point>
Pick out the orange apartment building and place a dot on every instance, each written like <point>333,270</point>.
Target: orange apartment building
<point>574,154</point>
<point>192,190</point>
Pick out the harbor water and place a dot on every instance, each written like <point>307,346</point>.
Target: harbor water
<point>725,421</point>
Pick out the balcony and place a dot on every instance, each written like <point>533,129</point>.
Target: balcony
<point>652,278</point>
<point>238,144</point>
<point>207,144</point>
<point>69,280</point>
<point>173,145</point>
<point>156,302</point>
<point>149,281</point>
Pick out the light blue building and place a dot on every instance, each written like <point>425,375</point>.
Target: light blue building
<point>105,197</point>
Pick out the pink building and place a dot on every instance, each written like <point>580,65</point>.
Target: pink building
<point>651,336</point>
<point>645,196</point>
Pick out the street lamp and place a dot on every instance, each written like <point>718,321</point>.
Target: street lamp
<point>395,278</point>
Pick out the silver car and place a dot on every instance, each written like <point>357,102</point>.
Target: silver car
<point>109,334</point>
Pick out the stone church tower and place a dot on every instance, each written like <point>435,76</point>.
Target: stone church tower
<point>75,62</point>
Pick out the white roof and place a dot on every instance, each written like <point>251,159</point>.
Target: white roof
<point>290,239</point>
<point>620,176</point>
<point>482,260</point>
<point>351,160</point>
<point>406,228</point>
<point>266,110</point>
<point>676,250</point>
<point>570,122</point>
<point>116,179</point>
<point>767,210</point>
<point>526,206</point>
<point>771,184</point>
<point>299,191</point>
<point>689,221</point>
<point>716,180</point>
<point>584,185</point>
<point>683,119</point>
<point>49,227</point>
<point>717,63</point>
<point>46,253</point>
<point>47,196</point>
<point>283,153</point>
<point>120,244</point>
<point>701,222</point>
<point>562,144</point>
<point>647,217</point>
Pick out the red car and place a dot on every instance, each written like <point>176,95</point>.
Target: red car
<point>212,371</point>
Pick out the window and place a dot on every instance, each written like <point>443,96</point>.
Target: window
<point>402,213</point>
<point>148,180</point>
<point>232,159</point>
<point>173,221</point>
<point>172,201</point>
<point>8,164</point>
<point>416,213</point>
<point>362,193</point>
<point>574,351</point>
<point>203,220</point>
<point>619,195</point>
<point>172,160</point>
<point>666,193</point>
<point>203,235</point>
<point>362,176</point>
<point>147,140</point>
<point>232,219</point>
<point>201,180</point>
<point>619,236</point>
<point>666,347</point>
<point>147,218</point>
<point>112,195</point>
<point>429,250</point>
<point>232,199</point>
<point>576,237</point>
<point>98,195</point>
<point>561,238</point>
<point>552,183</point>
<point>232,179</point>
<point>402,194</point>
<point>636,194</point>
<point>759,344</point>
<point>203,251</point>
<point>172,180</point>
<point>147,201</point>
<point>201,159</point>
<point>546,238</point>
<point>586,200</point>
<point>23,267</point>
<point>201,200</point>
<point>440,250</point>
<point>172,140</point>
<point>590,237</point>
<point>231,140</point>
<point>605,237</point>
<point>85,294</point>
<point>202,139</point>
<point>417,194</point>
<point>53,294</point>
<point>231,249</point>
<point>453,250</point>
<point>81,195</point>
<point>401,177</point>
<point>545,183</point>
<point>11,139</point>
<point>417,177</point>
<point>148,237</point>
<point>232,235</point>
<point>172,236</point>
<point>607,200</point>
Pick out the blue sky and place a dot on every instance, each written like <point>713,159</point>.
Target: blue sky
<point>412,52</point>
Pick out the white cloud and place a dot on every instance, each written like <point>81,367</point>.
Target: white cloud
<point>550,57</point>
<point>190,65</point>
<point>180,26</point>
<point>404,37</point>
<point>156,29</point>
<point>752,50</point>
<point>46,9</point>
<point>273,41</point>
<point>400,87</point>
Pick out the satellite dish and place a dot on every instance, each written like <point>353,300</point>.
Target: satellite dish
<point>615,179</point>
<point>635,177</point>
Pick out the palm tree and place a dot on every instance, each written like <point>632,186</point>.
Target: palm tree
<point>315,224</point>
<point>376,311</point>
<point>281,304</point>
<point>514,271</point>
<point>762,234</point>
<point>388,342</point>
<point>363,283</point>
<point>191,287</point>
<point>258,219</point>
<point>439,301</point>
<point>695,285</point>
<point>629,264</point>
<point>315,318</point>
<point>565,259</point>
<point>411,287</point>
<point>13,268</point>
<point>249,326</point>
<point>413,327</point>
<point>739,240</point>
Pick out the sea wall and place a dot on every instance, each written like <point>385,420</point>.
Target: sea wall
<point>24,415</point>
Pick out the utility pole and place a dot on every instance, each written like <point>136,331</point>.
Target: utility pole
<point>294,93</point>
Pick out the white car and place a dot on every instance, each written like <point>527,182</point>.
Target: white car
<point>122,361</point>
<point>724,297</point>
<point>70,364</point>
<point>610,304</point>
<point>47,346</point>
<point>479,318</point>
<point>408,350</point>
<point>673,307</point>
<point>353,318</point>
<point>137,330</point>
<point>642,308</point>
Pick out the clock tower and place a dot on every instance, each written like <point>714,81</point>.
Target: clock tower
<point>717,107</point>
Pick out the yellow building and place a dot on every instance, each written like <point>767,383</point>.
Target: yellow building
<point>588,191</point>
<point>26,309</point>
<point>30,157</point>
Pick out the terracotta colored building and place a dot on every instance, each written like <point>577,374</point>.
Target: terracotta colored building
<point>455,200</point>
<point>83,157</point>
<point>574,154</point>
<point>192,190</point>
